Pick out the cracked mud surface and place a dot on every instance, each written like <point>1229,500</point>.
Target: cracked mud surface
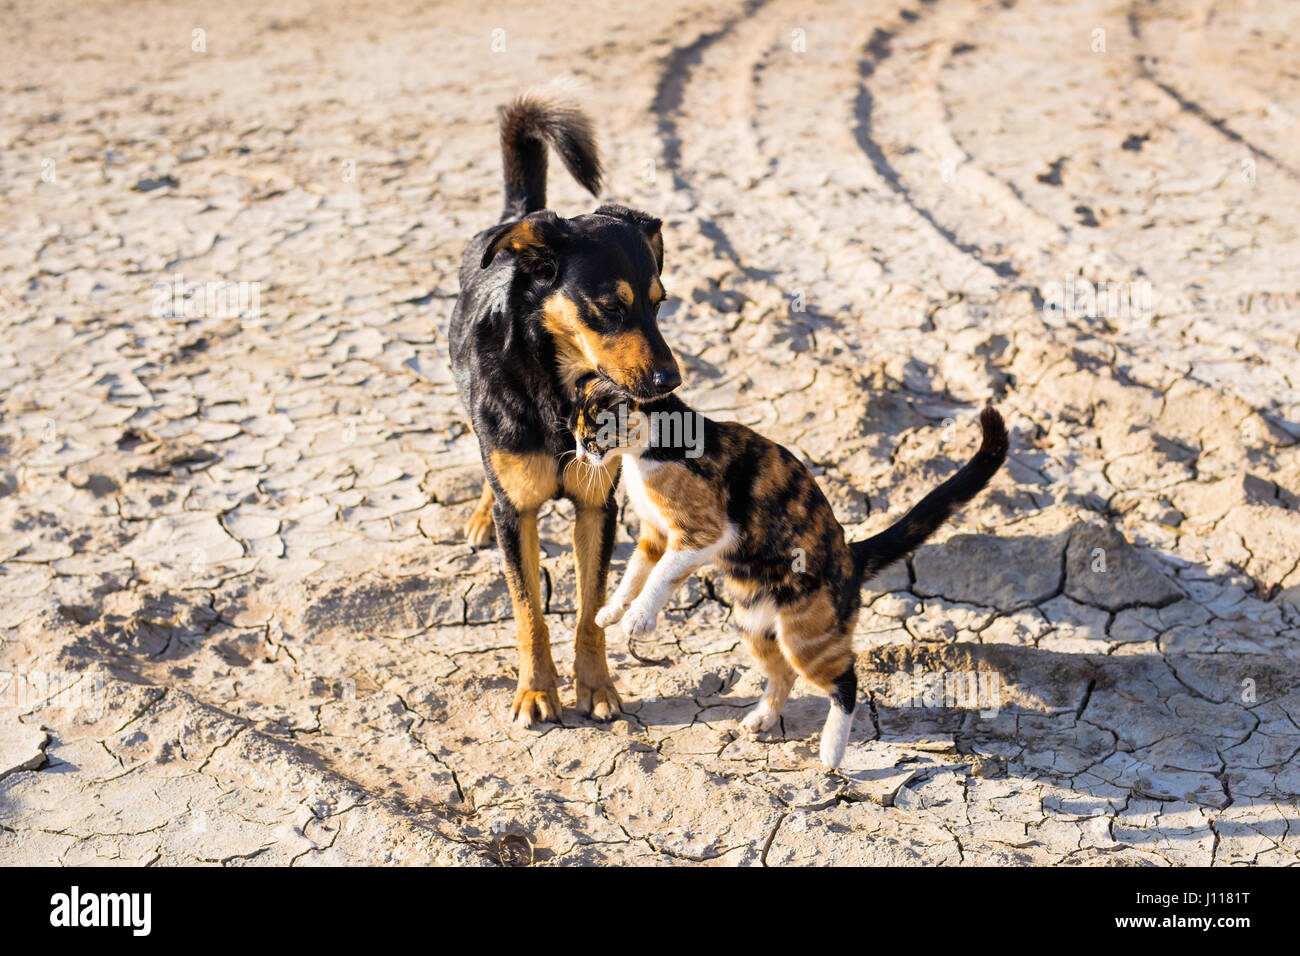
<point>238,622</point>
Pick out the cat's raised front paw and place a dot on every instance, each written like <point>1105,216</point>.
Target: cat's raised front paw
<point>609,614</point>
<point>638,621</point>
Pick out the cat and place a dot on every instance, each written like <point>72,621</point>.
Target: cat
<point>709,492</point>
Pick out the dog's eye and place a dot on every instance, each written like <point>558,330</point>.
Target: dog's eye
<point>608,317</point>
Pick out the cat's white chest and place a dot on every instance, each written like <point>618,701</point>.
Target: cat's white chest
<point>635,471</point>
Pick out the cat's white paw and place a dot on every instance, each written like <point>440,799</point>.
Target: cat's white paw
<point>609,614</point>
<point>759,719</point>
<point>638,621</point>
<point>835,737</point>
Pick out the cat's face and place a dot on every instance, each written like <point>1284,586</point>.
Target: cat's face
<point>600,420</point>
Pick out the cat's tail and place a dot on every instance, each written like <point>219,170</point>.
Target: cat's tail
<point>909,532</point>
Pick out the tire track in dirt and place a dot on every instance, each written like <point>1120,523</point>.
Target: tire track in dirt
<point>1043,248</point>
<point>878,49</point>
<point>674,74</point>
<point>1146,64</point>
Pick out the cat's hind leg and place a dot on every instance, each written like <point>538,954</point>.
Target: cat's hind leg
<point>820,647</point>
<point>780,678</point>
<point>839,722</point>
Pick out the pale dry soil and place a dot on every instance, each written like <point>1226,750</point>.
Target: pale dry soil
<point>239,624</point>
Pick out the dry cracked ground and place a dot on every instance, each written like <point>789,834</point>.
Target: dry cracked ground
<point>239,623</point>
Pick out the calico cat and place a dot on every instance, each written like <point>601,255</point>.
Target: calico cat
<point>720,493</point>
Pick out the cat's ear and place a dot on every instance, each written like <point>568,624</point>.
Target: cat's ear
<point>534,241</point>
<point>582,391</point>
<point>648,224</point>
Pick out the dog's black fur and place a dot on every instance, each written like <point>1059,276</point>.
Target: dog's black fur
<point>543,301</point>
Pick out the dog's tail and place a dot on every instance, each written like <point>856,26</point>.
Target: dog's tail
<point>909,532</point>
<point>528,125</point>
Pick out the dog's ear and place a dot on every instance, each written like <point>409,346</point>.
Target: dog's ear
<point>652,227</point>
<point>534,241</point>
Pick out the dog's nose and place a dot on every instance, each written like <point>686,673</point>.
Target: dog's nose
<point>665,380</point>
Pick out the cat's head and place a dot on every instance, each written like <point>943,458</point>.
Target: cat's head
<point>603,421</point>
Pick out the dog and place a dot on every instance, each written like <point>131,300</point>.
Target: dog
<point>544,301</point>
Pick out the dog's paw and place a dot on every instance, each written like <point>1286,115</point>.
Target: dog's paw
<point>610,614</point>
<point>599,703</point>
<point>480,530</point>
<point>535,705</point>
<point>759,719</point>
<point>638,621</point>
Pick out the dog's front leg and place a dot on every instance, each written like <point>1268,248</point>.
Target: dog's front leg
<point>536,695</point>
<point>593,543</point>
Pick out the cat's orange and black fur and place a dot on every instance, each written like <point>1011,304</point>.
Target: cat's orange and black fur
<point>734,499</point>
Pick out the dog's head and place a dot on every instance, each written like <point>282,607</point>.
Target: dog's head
<point>593,282</point>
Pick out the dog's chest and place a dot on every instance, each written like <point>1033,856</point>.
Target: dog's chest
<point>636,472</point>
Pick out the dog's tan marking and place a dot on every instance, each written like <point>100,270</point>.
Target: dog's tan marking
<point>524,234</point>
<point>518,238</point>
<point>628,353</point>
<point>536,694</point>
<point>657,248</point>
<point>656,292</point>
<point>624,356</point>
<point>624,292</point>
<point>596,693</point>
<point>569,333</point>
<point>528,480</point>
<point>588,484</point>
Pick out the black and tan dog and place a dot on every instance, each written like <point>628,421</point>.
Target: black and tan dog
<point>543,301</point>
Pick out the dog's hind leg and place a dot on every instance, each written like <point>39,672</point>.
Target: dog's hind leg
<point>479,529</point>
